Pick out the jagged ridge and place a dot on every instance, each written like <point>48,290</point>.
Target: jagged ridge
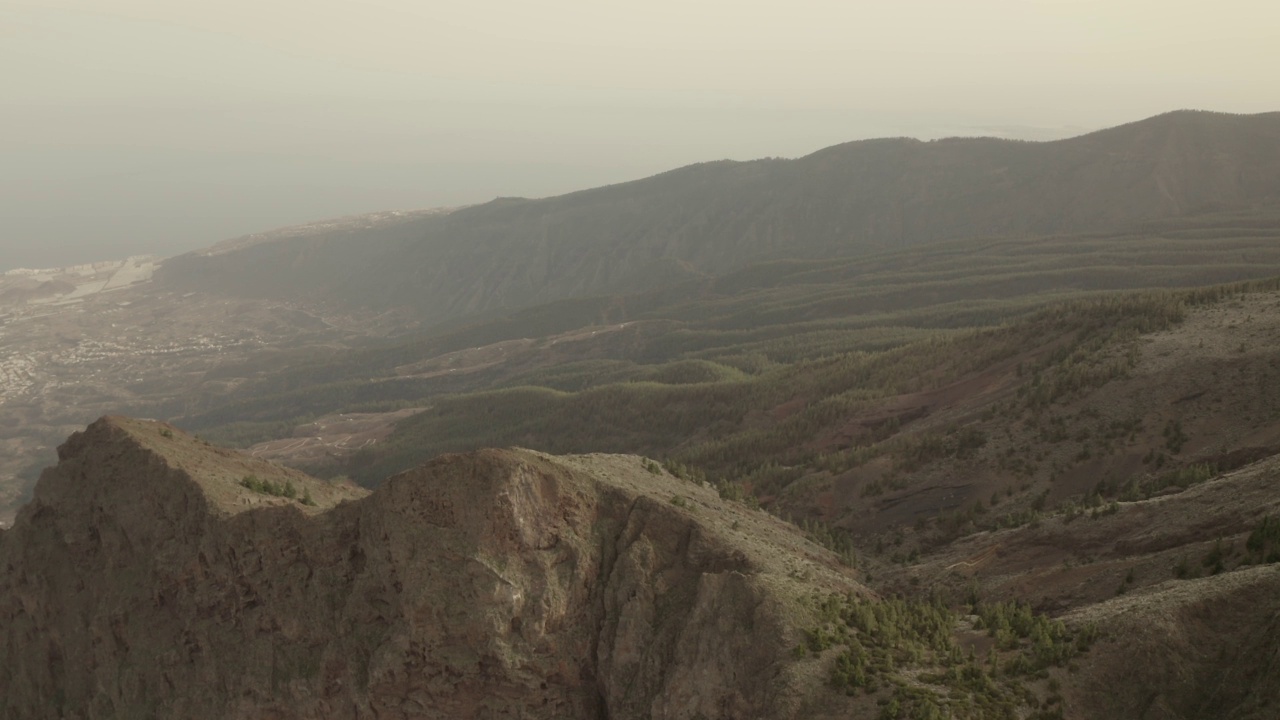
<point>144,581</point>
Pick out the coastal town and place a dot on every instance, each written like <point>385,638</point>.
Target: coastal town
<point>80,342</point>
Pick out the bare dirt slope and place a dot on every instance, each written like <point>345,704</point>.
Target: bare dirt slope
<point>1204,649</point>
<point>1153,516</point>
<point>332,436</point>
<point>1144,414</point>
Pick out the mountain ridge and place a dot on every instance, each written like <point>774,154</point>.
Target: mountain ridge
<point>712,218</point>
<point>146,580</point>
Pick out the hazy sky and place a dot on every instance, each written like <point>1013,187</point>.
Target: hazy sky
<point>160,126</point>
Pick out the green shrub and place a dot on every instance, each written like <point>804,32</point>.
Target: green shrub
<point>285,490</point>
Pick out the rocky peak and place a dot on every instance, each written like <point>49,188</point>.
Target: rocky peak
<point>147,580</point>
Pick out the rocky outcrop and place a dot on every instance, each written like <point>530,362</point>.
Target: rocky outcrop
<point>145,580</point>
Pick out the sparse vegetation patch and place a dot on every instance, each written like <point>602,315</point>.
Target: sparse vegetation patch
<point>916,654</point>
<point>285,490</point>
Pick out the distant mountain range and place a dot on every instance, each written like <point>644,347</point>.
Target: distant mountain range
<point>708,219</point>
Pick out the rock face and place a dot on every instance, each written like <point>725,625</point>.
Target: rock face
<point>145,581</point>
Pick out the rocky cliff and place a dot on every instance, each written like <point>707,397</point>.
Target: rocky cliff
<point>147,580</point>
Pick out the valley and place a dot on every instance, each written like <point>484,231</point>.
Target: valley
<point>904,430</point>
<point>108,341</point>
<point>1050,586</point>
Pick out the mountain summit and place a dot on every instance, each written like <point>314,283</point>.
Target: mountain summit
<point>154,576</point>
